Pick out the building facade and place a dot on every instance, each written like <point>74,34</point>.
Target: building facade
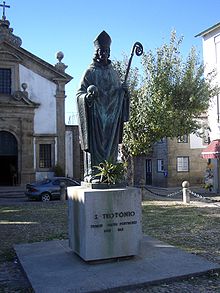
<point>173,161</point>
<point>211,56</point>
<point>32,112</point>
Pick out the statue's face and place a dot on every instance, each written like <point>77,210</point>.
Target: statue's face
<point>103,55</point>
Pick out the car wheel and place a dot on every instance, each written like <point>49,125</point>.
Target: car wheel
<point>45,197</point>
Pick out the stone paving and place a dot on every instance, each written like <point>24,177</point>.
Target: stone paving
<point>13,280</point>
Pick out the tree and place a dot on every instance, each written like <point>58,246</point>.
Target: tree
<point>168,99</point>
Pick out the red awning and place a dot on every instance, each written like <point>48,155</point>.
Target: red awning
<point>212,151</point>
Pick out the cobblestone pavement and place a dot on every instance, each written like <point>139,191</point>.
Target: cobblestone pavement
<point>14,280</point>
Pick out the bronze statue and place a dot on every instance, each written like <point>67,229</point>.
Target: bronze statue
<point>103,104</point>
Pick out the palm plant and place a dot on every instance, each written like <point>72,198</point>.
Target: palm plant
<point>110,173</point>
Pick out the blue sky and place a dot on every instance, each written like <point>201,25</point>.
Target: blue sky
<point>70,26</point>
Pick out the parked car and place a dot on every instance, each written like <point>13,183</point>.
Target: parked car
<point>48,189</point>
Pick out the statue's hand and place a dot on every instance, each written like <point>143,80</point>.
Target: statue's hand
<point>92,93</point>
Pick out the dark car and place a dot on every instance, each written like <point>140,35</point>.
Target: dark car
<point>48,189</point>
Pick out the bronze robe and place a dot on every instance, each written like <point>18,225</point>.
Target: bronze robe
<point>101,121</point>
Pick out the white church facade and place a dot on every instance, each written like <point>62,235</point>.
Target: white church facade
<point>32,112</point>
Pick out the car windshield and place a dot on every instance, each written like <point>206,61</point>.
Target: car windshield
<point>71,182</point>
<point>56,182</point>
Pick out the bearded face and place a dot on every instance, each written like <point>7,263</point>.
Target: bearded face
<point>102,55</point>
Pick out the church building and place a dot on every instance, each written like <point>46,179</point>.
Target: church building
<point>32,111</point>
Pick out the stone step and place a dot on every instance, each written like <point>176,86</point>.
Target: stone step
<point>12,191</point>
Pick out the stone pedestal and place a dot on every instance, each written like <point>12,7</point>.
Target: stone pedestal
<point>104,224</point>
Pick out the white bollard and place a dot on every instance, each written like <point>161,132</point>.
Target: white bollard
<point>142,183</point>
<point>186,196</point>
<point>62,191</point>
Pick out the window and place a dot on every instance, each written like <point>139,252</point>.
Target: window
<point>160,166</point>
<point>217,106</point>
<point>45,155</point>
<point>182,138</point>
<point>5,81</point>
<point>182,164</point>
<point>57,182</point>
<point>206,138</point>
<point>162,140</point>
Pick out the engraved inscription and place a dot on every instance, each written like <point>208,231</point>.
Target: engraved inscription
<point>114,221</point>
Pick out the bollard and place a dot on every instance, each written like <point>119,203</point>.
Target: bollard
<point>62,191</point>
<point>186,196</point>
<point>142,183</point>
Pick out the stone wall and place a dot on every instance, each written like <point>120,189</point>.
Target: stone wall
<point>197,165</point>
<point>168,150</point>
<point>160,153</point>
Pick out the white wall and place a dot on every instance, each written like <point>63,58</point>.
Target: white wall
<point>69,153</point>
<point>41,91</point>
<point>196,142</point>
<point>211,55</point>
<point>44,175</point>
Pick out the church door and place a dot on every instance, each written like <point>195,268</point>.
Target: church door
<point>8,159</point>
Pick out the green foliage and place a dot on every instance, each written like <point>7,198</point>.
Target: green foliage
<point>208,186</point>
<point>58,171</point>
<point>110,173</point>
<point>168,99</point>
